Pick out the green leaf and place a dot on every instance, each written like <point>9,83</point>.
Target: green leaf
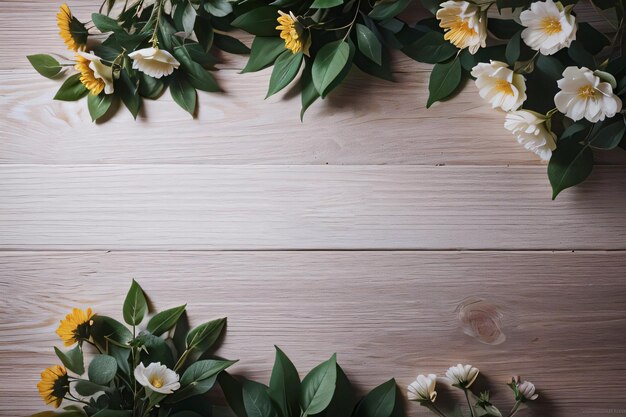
<point>185,17</point>
<point>72,359</point>
<point>218,8</point>
<point>98,105</point>
<point>503,28</point>
<point>199,378</point>
<point>154,349</point>
<point>380,402</point>
<point>326,4</point>
<point>571,164</point>
<point>165,320</point>
<point>513,48</point>
<point>430,48</point>
<point>318,387</point>
<point>308,92</point>
<point>72,89</point>
<point>109,333</point>
<point>388,9</point>
<point>183,93</point>
<point>260,21</point>
<point>580,55</point>
<point>199,77</point>
<point>105,23</point>
<point>263,53</point>
<point>128,92</point>
<point>88,388</point>
<point>285,69</point>
<point>113,413</point>
<point>201,338</point>
<point>342,403</point>
<point>233,392</point>
<point>285,385</point>
<point>369,44</point>
<point>609,135</point>
<point>592,39</point>
<point>444,79</point>
<point>45,65</point>
<point>231,45</point>
<point>256,400</point>
<point>102,369</point>
<point>328,63</point>
<point>550,66</point>
<point>135,305</point>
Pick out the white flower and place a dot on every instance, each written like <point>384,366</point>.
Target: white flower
<point>100,70</point>
<point>584,95</point>
<point>549,27</point>
<point>154,61</point>
<point>423,389</point>
<point>499,85</point>
<point>527,391</point>
<point>464,24</point>
<point>531,131</point>
<point>157,378</point>
<point>462,376</point>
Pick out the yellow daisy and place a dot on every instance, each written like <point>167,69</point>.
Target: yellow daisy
<point>292,33</point>
<point>54,385</point>
<point>72,31</point>
<point>76,326</point>
<point>94,85</point>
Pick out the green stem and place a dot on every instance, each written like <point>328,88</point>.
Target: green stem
<point>351,25</point>
<point>432,407</point>
<point>158,6</point>
<point>468,402</point>
<point>515,408</point>
<point>181,360</point>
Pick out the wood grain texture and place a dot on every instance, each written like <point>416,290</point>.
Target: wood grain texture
<point>385,313</point>
<point>305,207</point>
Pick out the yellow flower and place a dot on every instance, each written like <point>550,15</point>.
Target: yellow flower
<point>54,385</point>
<point>72,31</point>
<point>90,81</point>
<point>293,33</point>
<point>76,326</point>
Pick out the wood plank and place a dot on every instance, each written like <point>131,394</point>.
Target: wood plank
<point>306,207</point>
<point>385,313</point>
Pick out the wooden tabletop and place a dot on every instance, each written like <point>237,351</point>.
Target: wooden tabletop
<point>404,239</point>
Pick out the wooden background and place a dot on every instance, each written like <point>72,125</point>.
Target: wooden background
<point>404,239</point>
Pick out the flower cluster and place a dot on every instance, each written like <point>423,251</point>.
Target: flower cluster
<point>156,370</point>
<point>560,81</point>
<point>423,391</point>
<point>146,48</point>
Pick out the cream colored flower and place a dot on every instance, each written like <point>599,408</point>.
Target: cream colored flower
<point>584,95</point>
<point>423,389</point>
<point>531,131</point>
<point>100,73</point>
<point>462,376</point>
<point>499,85</point>
<point>154,62</point>
<point>464,24</point>
<point>158,378</point>
<point>527,391</point>
<point>549,27</point>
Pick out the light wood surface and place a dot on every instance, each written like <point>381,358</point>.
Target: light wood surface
<point>404,239</point>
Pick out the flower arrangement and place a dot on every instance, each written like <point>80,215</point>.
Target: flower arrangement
<point>151,45</point>
<point>560,81</point>
<point>158,370</point>
<point>422,391</point>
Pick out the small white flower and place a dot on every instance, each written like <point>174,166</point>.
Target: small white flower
<point>423,389</point>
<point>100,70</point>
<point>549,27</point>
<point>158,378</point>
<point>462,376</point>
<point>531,131</point>
<point>154,61</point>
<point>464,24</point>
<point>527,390</point>
<point>584,95</point>
<point>499,85</point>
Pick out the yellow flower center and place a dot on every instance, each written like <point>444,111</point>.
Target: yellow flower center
<point>156,382</point>
<point>587,91</point>
<point>503,86</point>
<point>459,33</point>
<point>551,25</point>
